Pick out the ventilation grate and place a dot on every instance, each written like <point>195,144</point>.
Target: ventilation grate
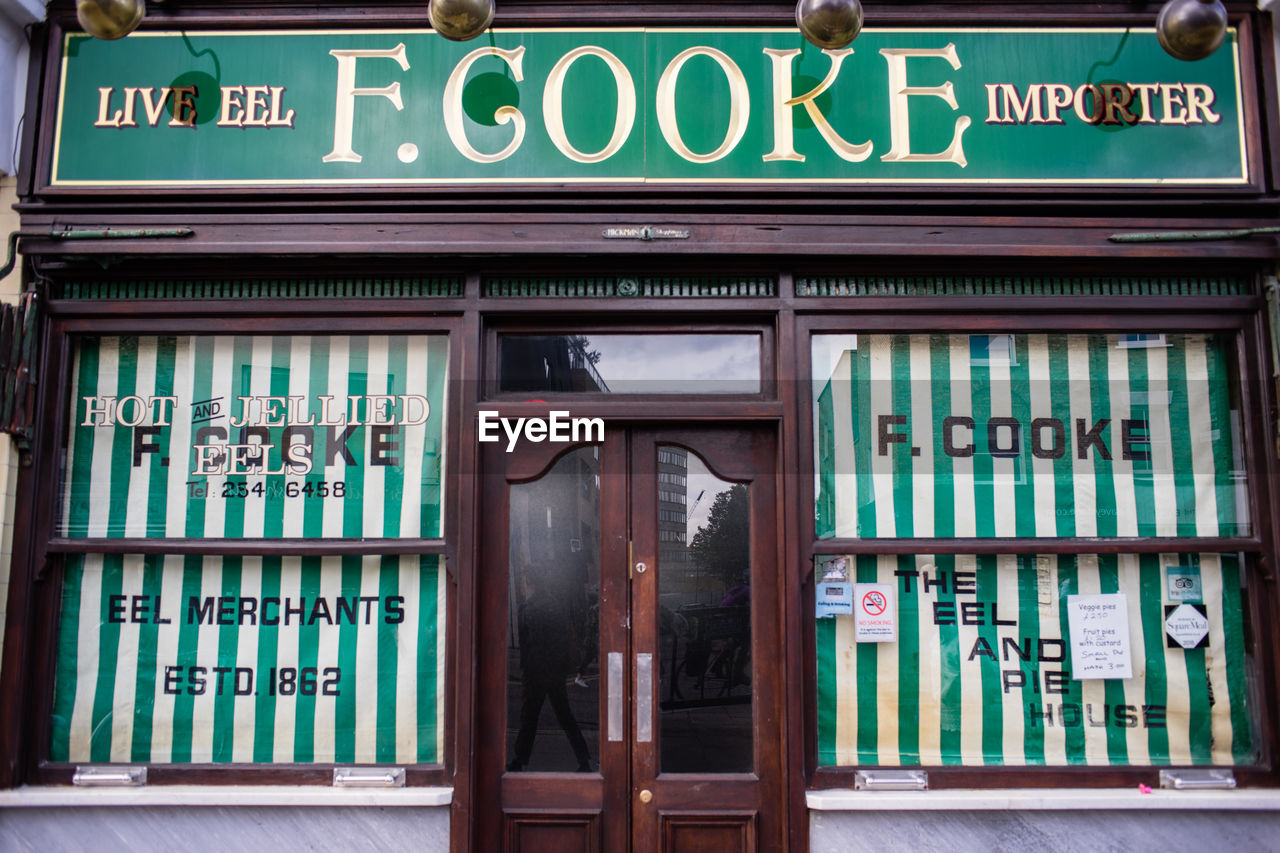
<point>670,288</point>
<point>1019,286</point>
<point>363,288</point>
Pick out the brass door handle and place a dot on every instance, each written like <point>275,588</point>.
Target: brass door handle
<point>646,796</point>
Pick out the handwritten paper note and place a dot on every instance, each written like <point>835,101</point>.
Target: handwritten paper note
<point>1099,626</point>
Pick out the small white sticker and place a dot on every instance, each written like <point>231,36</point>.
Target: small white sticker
<point>1187,626</point>
<point>834,598</point>
<point>875,613</point>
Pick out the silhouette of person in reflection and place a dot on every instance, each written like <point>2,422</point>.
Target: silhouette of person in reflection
<point>549,656</point>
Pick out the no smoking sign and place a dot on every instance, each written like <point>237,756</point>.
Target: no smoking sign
<point>875,613</point>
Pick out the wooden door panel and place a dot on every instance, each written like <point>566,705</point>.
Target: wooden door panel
<point>708,832</point>
<point>552,832</point>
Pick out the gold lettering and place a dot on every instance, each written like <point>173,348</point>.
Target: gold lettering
<point>152,108</point>
<point>1199,99</point>
<point>1095,115</point>
<point>783,103</point>
<point>104,104</point>
<point>255,106</point>
<point>1118,96</point>
<point>899,94</point>
<point>1060,96</point>
<point>277,98</point>
<point>507,114</point>
<point>553,105</point>
<point>1174,110</point>
<point>1143,91</point>
<point>184,106</point>
<point>130,102</point>
<point>345,107</point>
<point>232,108</point>
<point>739,104</point>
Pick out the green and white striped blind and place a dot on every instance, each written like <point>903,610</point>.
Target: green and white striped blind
<point>312,436</point>
<point>952,435</point>
<point>195,659</point>
<point>980,673</point>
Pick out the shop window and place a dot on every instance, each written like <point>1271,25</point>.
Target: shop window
<point>938,656</point>
<point>212,610</point>
<point>1027,435</point>
<point>1136,659</point>
<point>612,363</point>
<point>256,437</point>
<point>292,660</point>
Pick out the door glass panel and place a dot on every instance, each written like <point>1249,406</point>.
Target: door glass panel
<point>630,364</point>
<point>704,618</point>
<point>553,675</point>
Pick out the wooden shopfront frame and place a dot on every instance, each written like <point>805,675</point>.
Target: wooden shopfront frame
<point>769,232</point>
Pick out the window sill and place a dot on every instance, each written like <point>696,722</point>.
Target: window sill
<point>1045,799</point>
<point>223,795</point>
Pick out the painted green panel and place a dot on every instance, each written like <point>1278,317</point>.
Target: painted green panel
<point>1098,107</point>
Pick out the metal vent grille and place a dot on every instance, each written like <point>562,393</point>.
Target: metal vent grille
<point>364,288</point>
<point>672,288</point>
<point>1019,286</point>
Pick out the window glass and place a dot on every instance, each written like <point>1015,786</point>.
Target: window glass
<point>942,435</point>
<point>237,436</point>
<point>704,621</point>
<point>1033,660</point>
<point>630,363</point>
<point>293,660</point>
<point>553,619</point>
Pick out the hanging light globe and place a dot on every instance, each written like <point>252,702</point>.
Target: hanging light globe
<point>110,19</point>
<point>460,20</point>
<point>829,24</point>
<point>1191,29</point>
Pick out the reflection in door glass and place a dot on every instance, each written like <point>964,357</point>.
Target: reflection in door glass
<point>704,619</point>
<point>553,675</point>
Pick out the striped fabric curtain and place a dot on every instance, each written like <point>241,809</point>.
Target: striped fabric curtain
<point>1026,435</point>
<point>1030,436</point>
<point>196,659</point>
<point>190,659</point>
<point>166,427</point>
<point>981,670</point>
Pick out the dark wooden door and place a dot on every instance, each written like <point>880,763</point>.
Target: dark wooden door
<point>629,673</point>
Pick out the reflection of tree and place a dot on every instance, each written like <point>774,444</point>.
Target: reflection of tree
<point>582,345</point>
<point>720,546</point>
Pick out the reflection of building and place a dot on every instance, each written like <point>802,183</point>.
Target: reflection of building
<point>549,363</point>
<point>679,572</point>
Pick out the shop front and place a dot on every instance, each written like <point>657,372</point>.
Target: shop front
<point>639,428</point>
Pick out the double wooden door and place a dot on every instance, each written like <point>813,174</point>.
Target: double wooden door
<point>629,669</point>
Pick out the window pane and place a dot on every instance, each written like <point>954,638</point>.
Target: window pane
<point>1027,435</point>
<point>293,660</point>
<point>704,619</point>
<point>630,364</point>
<point>1023,659</point>
<point>553,668</point>
<point>228,437</point>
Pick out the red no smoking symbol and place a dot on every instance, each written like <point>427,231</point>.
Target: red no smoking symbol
<point>874,603</point>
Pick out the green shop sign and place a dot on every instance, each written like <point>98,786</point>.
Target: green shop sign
<point>1098,107</point>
